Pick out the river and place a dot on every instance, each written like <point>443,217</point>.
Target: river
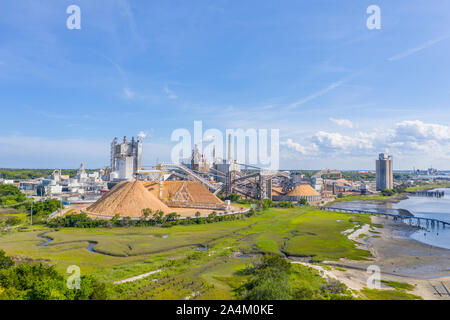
<point>428,207</point>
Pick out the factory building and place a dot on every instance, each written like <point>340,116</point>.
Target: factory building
<point>126,159</point>
<point>198,161</point>
<point>81,174</point>
<point>317,183</point>
<point>62,185</point>
<point>6,181</point>
<point>385,173</point>
<point>226,166</point>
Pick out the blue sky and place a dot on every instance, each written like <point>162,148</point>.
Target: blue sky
<point>339,92</point>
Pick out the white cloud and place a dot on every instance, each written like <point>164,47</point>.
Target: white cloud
<point>142,135</point>
<point>170,94</point>
<point>411,142</point>
<point>412,138</point>
<point>317,94</point>
<point>128,13</point>
<point>129,94</point>
<point>337,142</point>
<point>342,122</point>
<point>420,131</point>
<point>209,138</point>
<point>294,146</point>
<point>418,139</point>
<point>425,45</point>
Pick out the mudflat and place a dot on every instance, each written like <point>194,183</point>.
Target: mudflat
<point>399,258</point>
<point>396,253</point>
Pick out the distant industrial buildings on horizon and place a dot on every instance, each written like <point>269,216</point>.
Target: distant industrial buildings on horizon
<point>220,175</point>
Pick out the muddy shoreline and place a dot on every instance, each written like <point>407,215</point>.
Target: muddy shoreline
<point>399,258</point>
<point>395,252</point>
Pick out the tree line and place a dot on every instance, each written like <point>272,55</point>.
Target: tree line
<point>396,190</point>
<point>25,174</point>
<point>262,204</point>
<point>155,219</point>
<point>41,282</point>
<point>12,197</point>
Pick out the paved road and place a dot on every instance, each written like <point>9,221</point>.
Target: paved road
<point>142,276</point>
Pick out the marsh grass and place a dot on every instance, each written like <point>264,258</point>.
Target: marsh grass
<point>398,285</point>
<point>188,273</point>
<point>375,294</point>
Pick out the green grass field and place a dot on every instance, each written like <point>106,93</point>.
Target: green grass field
<point>186,271</point>
<point>428,187</point>
<point>368,198</point>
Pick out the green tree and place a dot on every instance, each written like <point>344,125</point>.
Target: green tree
<point>10,195</point>
<point>234,197</point>
<point>90,289</point>
<point>5,261</point>
<point>387,192</point>
<point>40,282</point>
<point>269,280</point>
<point>251,212</point>
<point>303,201</point>
<point>158,216</point>
<point>44,208</point>
<point>116,219</point>
<point>13,221</point>
<point>172,216</point>
<point>147,212</point>
<point>212,216</point>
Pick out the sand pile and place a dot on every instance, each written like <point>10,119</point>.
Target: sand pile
<point>128,199</point>
<point>303,191</point>
<point>185,194</point>
<point>277,191</point>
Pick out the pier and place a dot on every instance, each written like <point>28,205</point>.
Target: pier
<point>433,194</point>
<point>421,221</point>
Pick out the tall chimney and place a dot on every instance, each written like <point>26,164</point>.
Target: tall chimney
<point>230,146</point>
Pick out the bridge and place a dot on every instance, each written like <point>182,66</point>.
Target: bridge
<point>427,221</point>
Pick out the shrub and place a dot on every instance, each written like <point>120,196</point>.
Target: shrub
<point>387,192</point>
<point>76,221</point>
<point>40,282</point>
<point>10,195</point>
<point>5,261</point>
<point>13,221</point>
<point>269,280</point>
<point>304,202</point>
<point>233,197</point>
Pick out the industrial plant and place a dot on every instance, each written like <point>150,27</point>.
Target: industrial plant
<point>126,159</point>
<point>192,185</point>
